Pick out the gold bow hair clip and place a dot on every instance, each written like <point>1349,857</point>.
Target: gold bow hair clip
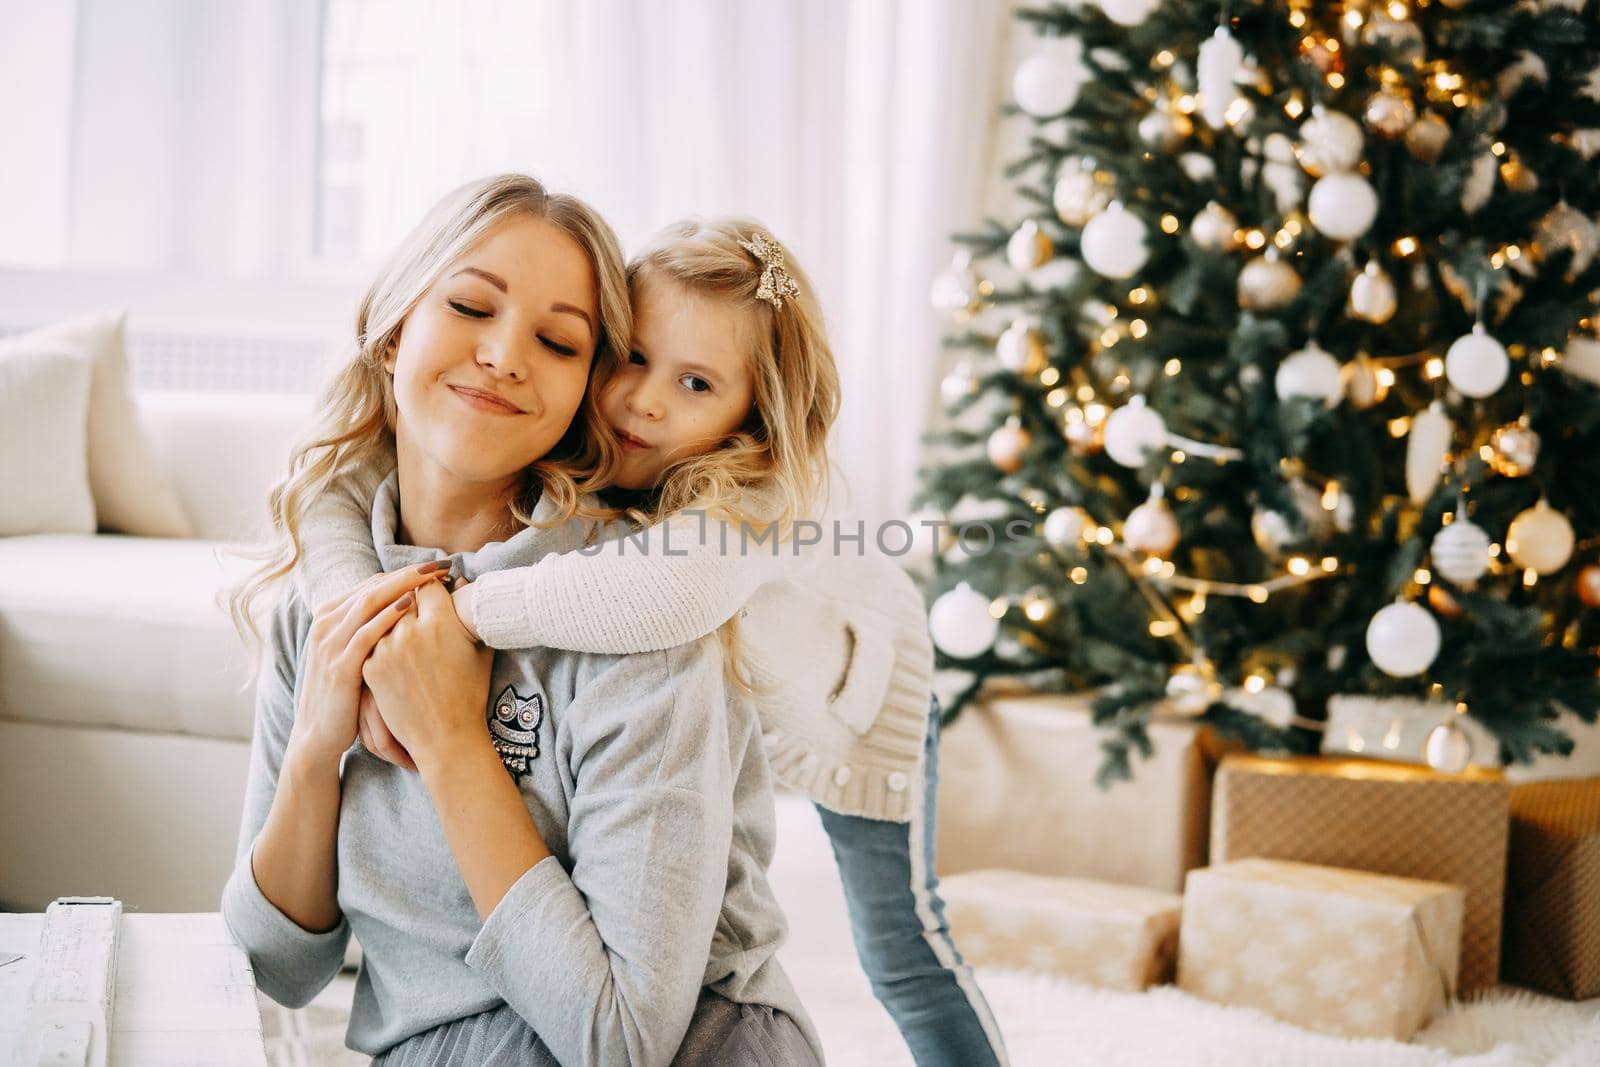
<point>775,280</point>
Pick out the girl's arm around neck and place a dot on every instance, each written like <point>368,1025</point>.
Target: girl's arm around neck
<point>336,552</point>
<point>657,588</point>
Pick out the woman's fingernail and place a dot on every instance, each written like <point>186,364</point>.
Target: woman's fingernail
<point>404,603</point>
<point>433,565</point>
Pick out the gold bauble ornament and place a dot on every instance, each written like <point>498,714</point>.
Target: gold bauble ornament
<point>1080,194</point>
<point>1589,586</point>
<point>1021,348</point>
<point>1029,247</point>
<point>1008,444</point>
<point>1164,129</point>
<point>1151,527</point>
<point>1540,539</point>
<point>1215,229</point>
<point>960,289</point>
<point>1426,138</point>
<point>1267,283</point>
<point>1389,113</point>
<point>1515,450</point>
<point>1373,297</point>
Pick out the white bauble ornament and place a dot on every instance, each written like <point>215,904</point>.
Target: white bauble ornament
<point>1267,283</point>
<point>1448,749</point>
<point>1476,364</point>
<point>1133,431</point>
<point>1403,639</point>
<point>1114,243</point>
<point>1479,186</point>
<point>1007,445</point>
<point>1540,538</point>
<point>1215,229</point>
<point>1426,139</point>
<point>1128,12</point>
<point>1079,196</point>
<point>1566,229</point>
<point>1192,688</point>
<point>1151,527</point>
<point>1461,551</point>
<point>1582,358</point>
<point>1197,166</point>
<point>1287,183</point>
<point>1330,142</point>
<point>1029,247</point>
<point>959,384</point>
<point>1221,59</point>
<point>1063,527</point>
<point>1372,295</point>
<point>1021,348</point>
<point>1427,445</point>
<point>1343,206</point>
<point>1312,373</point>
<point>961,624</point>
<point>959,290</point>
<point>1271,531</point>
<point>1048,84</point>
<point>1164,129</point>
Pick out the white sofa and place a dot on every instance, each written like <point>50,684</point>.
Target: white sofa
<point>125,695</point>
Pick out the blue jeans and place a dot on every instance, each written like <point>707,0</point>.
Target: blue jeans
<point>901,935</point>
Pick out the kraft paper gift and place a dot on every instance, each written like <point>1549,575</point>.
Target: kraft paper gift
<point>1385,818</point>
<point>1343,952</point>
<point>1552,920</point>
<point>1098,933</point>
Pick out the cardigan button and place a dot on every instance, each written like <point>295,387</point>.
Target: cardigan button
<point>841,776</point>
<point>898,781</point>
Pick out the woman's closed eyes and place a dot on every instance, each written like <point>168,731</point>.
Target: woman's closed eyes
<point>475,313</point>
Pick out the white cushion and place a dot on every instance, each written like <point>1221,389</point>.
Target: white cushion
<point>224,452</point>
<point>131,493</point>
<point>122,631</point>
<point>44,399</point>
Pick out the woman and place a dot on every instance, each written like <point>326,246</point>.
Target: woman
<point>585,883</point>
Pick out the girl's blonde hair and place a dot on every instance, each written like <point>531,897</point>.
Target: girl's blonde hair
<point>774,468</point>
<point>356,414</point>
<point>780,452</point>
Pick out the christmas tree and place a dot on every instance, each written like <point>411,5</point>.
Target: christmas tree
<point>1285,387</point>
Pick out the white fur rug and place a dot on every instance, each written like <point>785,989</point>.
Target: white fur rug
<point>1047,1022</point>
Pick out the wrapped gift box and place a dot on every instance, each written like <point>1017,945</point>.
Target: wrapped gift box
<point>1116,936</point>
<point>1378,817</point>
<point>1345,952</point>
<point>1017,792</point>
<point>1552,940</point>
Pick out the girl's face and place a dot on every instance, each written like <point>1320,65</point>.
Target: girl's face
<point>686,384</point>
<point>491,365</point>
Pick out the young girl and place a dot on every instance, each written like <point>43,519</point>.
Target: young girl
<point>588,884</point>
<point>722,410</point>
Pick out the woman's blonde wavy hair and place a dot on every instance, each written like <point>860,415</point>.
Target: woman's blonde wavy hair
<point>779,455</point>
<point>356,413</point>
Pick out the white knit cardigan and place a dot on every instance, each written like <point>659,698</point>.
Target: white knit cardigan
<point>836,645</point>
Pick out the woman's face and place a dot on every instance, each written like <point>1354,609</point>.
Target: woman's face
<point>491,365</point>
<point>686,384</point>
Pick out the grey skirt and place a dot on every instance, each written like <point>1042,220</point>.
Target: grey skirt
<point>721,1032</point>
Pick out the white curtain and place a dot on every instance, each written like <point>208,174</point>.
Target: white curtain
<point>292,142</point>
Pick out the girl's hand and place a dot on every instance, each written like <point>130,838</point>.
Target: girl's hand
<point>462,598</point>
<point>343,634</point>
<point>430,678</point>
